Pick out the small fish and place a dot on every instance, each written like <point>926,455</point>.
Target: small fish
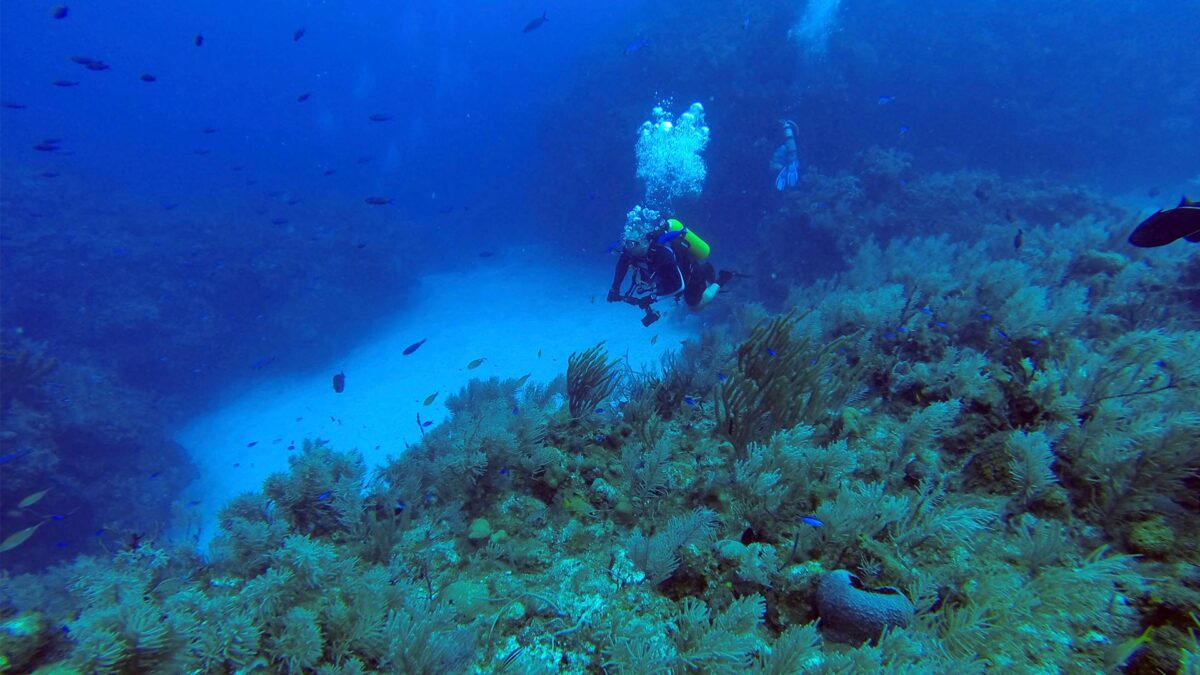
<point>746,22</point>
<point>427,424</point>
<point>198,40</point>
<point>65,83</point>
<point>251,444</point>
<point>339,382</point>
<point>62,544</point>
<point>208,130</point>
<point>535,24</point>
<point>722,377</point>
<point>279,221</point>
<point>1017,240</point>
<point>303,97</point>
<point>155,475</point>
<point>504,471</point>
<point>299,33</point>
<point>771,352</point>
<point>399,507</point>
<point>812,520</point>
<point>13,105</point>
<point>32,499</point>
<point>476,363</point>
<point>539,355</point>
<point>323,496</point>
<point>58,517</point>
<point>985,316</point>
<point>19,537</point>
<point>516,411</point>
<point>689,400</point>
<point>599,411</point>
<point>99,532</point>
<point>262,363</point>
<point>904,129</point>
<point>381,117</point>
<point>523,379</point>
<point>633,47</point>
<point>430,398</point>
<point>328,172</point>
<point>59,11</point>
<point>884,100</point>
<point>486,254</point>
<point>83,60</point>
<point>147,77</point>
<point>1035,342</point>
<point>193,503</point>
<point>378,201</point>
<point>414,346</point>
<point>97,66</point>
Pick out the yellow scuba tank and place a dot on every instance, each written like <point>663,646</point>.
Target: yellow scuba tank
<point>694,244</point>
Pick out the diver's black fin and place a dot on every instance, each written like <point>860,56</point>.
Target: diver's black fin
<point>1184,201</point>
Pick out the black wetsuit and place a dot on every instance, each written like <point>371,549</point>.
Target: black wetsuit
<point>669,269</point>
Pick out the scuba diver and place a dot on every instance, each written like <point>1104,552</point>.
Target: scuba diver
<point>786,158</point>
<point>668,262</point>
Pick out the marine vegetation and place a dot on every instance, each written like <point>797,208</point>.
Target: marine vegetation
<point>954,457</point>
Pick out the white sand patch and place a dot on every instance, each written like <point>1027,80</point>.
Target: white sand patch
<point>505,310</point>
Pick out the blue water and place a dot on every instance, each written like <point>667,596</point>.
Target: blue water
<point>189,247</point>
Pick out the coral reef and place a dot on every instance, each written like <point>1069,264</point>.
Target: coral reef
<point>999,434</point>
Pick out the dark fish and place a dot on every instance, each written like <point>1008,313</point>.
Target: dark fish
<point>1018,240</point>
<point>198,40</point>
<point>1164,227</point>
<point>414,346</point>
<point>155,475</point>
<point>303,97</point>
<point>476,363</point>
<point>362,159</point>
<point>64,83</point>
<point>536,23</point>
<point>378,201</point>
<point>328,172</point>
<point>298,34</point>
<point>209,130</point>
<point>279,221</point>
<point>84,60</point>
<point>380,117</point>
<point>486,254</point>
<point>201,151</point>
<point>97,65</point>
<point>251,444</point>
<point>339,382</point>
<point>812,520</point>
<point>323,496</point>
<point>59,11</point>
<point>429,399</point>
<point>12,105</point>
<point>147,77</point>
<point>47,147</point>
<point>427,424</point>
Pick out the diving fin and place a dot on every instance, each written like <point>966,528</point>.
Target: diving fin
<point>793,173</point>
<point>781,179</point>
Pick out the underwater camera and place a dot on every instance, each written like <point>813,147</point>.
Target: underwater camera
<point>651,316</point>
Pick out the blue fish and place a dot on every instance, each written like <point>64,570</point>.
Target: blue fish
<point>722,377</point>
<point>884,100</point>
<point>1002,334</point>
<point>1035,342</point>
<point>889,335</point>
<point>515,411</point>
<point>689,400</point>
<point>399,507</point>
<point>771,352</point>
<point>926,310</point>
<point>634,46</point>
<point>985,316</point>
<point>670,236</point>
<point>812,520</point>
<point>903,129</point>
<point>15,454</point>
<point>504,471</point>
<point>61,544</point>
<point>427,424</point>
<point>323,496</point>
<point>58,517</point>
<point>599,411</point>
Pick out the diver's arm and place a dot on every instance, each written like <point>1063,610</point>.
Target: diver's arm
<point>614,291</point>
